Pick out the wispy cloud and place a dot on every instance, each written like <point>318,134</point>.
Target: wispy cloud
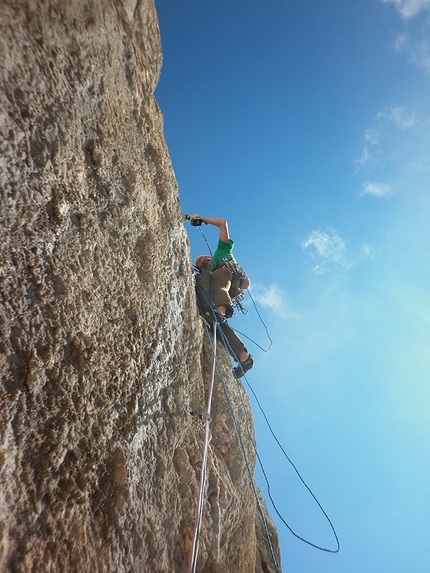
<point>409,8</point>
<point>365,159</point>
<point>399,116</point>
<point>372,139</point>
<point>414,42</point>
<point>330,250</point>
<point>367,251</point>
<point>376,189</point>
<point>420,165</point>
<point>327,248</point>
<point>372,136</point>
<point>275,299</point>
<point>418,52</point>
<point>394,132</point>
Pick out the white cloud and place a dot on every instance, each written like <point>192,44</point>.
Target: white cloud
<point>394,130</point>
<point>409,8</point>
<point>327,247</point>
<point>368,251</point>
<point>372,136</point>
<point>399,116</point>
<point>274,299</point>
<point>420,165</point>
<point>376,189</point>
<point>365,159</point>
<point>372,139</point>
<point>418,52</point>
<point>371,150</point>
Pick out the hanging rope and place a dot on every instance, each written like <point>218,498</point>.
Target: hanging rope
<point>262,321</point>
<point>251,340</point>
<point>203,471</point>
<point>242,447</point>
<point>227,345</point>
<point>206,241</point>
<point>297,472</point>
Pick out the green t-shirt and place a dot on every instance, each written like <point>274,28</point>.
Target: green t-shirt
<point>223,251</point>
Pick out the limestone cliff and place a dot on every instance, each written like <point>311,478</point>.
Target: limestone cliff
<point>104,362</point>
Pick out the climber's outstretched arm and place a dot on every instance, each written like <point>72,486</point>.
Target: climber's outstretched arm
<point>216,222</point>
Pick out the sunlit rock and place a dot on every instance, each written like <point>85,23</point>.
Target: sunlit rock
<point>104,362</point>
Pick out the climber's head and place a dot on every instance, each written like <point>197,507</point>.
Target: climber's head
<point>203,262</point>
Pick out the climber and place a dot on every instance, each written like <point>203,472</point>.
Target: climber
<point>227,280</point>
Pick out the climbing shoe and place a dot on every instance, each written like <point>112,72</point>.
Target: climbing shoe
<point>243,367</point>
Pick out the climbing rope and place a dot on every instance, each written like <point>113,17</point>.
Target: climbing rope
<point>227,345</point>
<point>253,341</point>
<point>203,471</point>
<point>242,446</point>
<point>206,241</point>
<point>262,321</point>
<point>297,472</point>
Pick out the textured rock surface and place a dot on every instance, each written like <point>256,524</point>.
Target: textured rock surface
<point>104,362</point>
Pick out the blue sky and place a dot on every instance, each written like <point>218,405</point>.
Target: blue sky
<point>307,126</point>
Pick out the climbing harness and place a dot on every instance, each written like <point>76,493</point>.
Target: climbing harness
<point>203,471</point>
<point>237,301</point>
<point>235,269</point>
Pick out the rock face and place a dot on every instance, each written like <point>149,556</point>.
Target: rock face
<point>104,361</point>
